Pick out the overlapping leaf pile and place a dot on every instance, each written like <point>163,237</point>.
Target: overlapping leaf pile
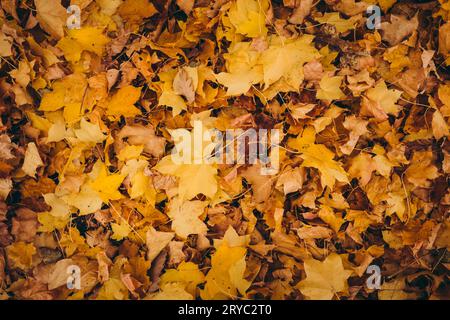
<point>86,177</point>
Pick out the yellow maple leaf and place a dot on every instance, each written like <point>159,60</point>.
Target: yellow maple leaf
<point>171,99</point>
<point>120,231</point>
<point>398,57</point>
<point>171,291</point>
<point>363,165</point>
<point>20,254</point>
<point>89,39</point>
<point>89,132</point>
<point>57,130</point>
<point>320,157</point>
<point>140,183</point>
<point>130,152</point>
<point>72,241</point>
<point>243,69</point>
<point>328,56</point>
<point>249,17</point>
<point>422,169</point>
<point>185,217</point>
<point>60,208</point>
<point>68,91</point>
<point>284,59</point>
<point>122,103</point>
<point>87,200</point>
<point>333,219</point>
<point>49,222</point>
<point>324,279</point>
<point>187,273</point>
<point>105,184</point>
<point>330,88</point>
<point>381,100</point>
<point>193,178</point>
<point>113,289</point>
<point>24,73</point>
<point>225,279</point>
<point>232,239</point>
<point>38,122</point>
<point>156,241</point>
<point>240,82</point>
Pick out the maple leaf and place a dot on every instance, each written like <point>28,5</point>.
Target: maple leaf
<point>134,170</point>
<point>120,231</point>
<point>85,39</point>
<point>357,128</point>
<point>225,279</point>
<point>193,178</point>
<point>284,56</point>
<point>242,67</point>
<point>240,82</point>
<point>24,73</point>
<point>171,99</point>
<point>112,289</point>
<point>320,157</point>
<point>21,254</point>
<point>421,169</point>
<point>122,103</point>
<point>49,222</point>
<point>232,239</point>
<point>105,184</point>
<point>89,147</point>
<point>329,88</point>
<point>187,274</point>
<point>325,279</point>
<point>60,208</point>
<point>157,241</point>
<point>87,201</point>
<point>331,218</point>
<point>66,92</point>
<point>89,132</point>
<point>249,17</point>
<point>171,291</point>
<point>185,217</point>
<point>140,135</point>
<point>381,101</point>
<point>130,152</point>
<point>363,165</point>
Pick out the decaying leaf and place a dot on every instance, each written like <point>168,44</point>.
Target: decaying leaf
<point>324,279</point>
<point>226,149</point>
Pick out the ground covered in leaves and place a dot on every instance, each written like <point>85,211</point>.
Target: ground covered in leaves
<point>86,177</point>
